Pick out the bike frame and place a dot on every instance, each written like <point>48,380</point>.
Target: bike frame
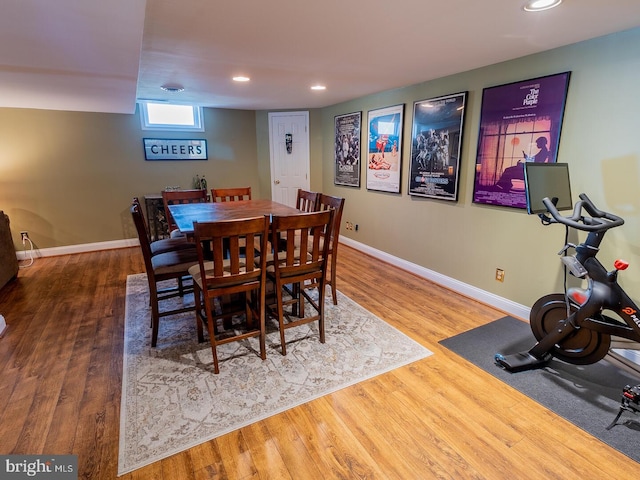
<point>585,308</point>
<point>604,292</point>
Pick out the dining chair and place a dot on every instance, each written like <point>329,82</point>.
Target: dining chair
<point>163,245</point>
<point>231,272</point>
<point>171,265</point>
<point>302,257</point>
<point>230,194</point>
<point>326,202</point>
<point>173,197</point>
<point>307,201</point>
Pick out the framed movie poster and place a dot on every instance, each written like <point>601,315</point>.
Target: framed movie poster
<point>436,142</point>
<point>519,122</point>
<point>384,149</point>
<point>347,149</point>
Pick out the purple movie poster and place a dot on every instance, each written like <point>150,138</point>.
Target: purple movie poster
<point>519,122</point>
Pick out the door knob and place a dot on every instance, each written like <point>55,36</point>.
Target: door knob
<point>277,182</point>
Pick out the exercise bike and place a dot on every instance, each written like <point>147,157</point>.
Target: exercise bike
<point>573,327</point>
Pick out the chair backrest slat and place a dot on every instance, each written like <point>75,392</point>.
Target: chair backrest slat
<point>139,222</point>
<point>326,202</point>
<point>136,201</point>
<point>303,234</point>
<point>307,201</point>
<point>233,249</point>
<point>173,197</point>
<point>230,194</point>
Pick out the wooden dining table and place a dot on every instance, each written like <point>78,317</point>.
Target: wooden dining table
<point>185,214</point>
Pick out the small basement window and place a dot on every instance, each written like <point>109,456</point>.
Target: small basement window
<point>167,116</point>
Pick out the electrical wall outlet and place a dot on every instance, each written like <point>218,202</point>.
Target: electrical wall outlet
<point>23,236</point>
<point>499,275</point>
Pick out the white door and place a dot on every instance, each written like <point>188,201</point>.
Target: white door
<point>289,148</point>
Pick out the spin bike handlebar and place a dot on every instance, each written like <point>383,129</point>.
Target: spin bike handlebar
<point>597,221</point>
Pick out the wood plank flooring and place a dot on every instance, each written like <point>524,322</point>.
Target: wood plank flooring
<point>441,417</point>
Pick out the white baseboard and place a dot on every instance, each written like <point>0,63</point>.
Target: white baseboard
<point>71,249</point>
<point>507,306</point>
<point>483,296</point>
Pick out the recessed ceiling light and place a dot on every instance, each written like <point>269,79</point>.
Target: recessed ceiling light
<point>318,87</point>
<point>538,5</point>
<point>241,78</point>
<point>172,88</point>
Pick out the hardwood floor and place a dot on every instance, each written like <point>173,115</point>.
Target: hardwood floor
<point>441,417</point>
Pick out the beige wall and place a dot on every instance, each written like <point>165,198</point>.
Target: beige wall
<point>467,241</point>
<point>68,177</point>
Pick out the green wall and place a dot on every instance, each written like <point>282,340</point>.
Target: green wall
<point>468,241</point>
<point>67,177</point>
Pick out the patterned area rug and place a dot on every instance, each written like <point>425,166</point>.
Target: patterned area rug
<point>172,400</point>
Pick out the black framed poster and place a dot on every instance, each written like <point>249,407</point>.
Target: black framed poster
<point>436,143</point>
<point>347,149</point>
<point>519,122</point>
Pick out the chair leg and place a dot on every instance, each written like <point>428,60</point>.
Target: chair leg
<point>155,314</point>
<point>297,307</point>
<point>247,309</point>
<point>198,302</point>
<point>333,279</point>
<point>212,334</point>
<point>321,311</point>
<point>226,301</point>
<point>281,318</point>
<point>261,304</point>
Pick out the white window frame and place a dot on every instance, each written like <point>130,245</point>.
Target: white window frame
<point>198,120</point>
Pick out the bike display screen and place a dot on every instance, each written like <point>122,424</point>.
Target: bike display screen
<point>547,180</point>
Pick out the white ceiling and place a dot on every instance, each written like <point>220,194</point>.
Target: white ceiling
<point>91,55</point>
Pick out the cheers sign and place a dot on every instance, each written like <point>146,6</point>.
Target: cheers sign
<point>174,149</point>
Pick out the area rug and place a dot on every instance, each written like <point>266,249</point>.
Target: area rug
<point>586,395</point>
<point>172,400</point>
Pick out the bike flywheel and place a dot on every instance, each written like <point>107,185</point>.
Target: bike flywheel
<point>581,347</point>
